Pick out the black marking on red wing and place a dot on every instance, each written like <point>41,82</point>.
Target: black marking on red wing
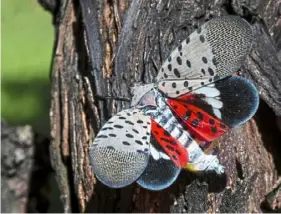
<point>238,95</point>
<point>198,122</point>
<point>159,174</point>
<point>177,152</point>
<point>196,100</point>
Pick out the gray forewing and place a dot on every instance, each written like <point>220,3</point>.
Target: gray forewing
<point>120,152</point>
<point>215,50</point>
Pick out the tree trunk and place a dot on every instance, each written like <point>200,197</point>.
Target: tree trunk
<point>103,46</point>
<point>17,154</point>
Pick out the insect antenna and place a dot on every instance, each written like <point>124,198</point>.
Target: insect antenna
<point>100,97</point>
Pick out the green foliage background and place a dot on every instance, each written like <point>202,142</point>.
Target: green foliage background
<point>27,43</point>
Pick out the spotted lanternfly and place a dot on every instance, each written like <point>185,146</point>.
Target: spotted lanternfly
<point>172,122</point>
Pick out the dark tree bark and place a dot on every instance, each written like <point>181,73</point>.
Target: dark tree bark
<point>103,46</point>
<point>25,170</point>
<point>17,150</point>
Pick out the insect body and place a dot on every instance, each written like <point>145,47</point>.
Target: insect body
<point>172,121</point>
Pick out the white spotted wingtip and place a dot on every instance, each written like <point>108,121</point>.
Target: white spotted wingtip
<point>213,51</point>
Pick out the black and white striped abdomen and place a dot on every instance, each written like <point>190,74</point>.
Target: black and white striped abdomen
<point>167,120</point>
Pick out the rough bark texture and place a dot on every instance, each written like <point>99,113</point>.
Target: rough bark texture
<point>25,171</point>
<point>104,46</point>
<point>17,150</point>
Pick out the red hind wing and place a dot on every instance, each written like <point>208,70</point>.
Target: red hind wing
<point>202,125</point>
<point>177,152</point>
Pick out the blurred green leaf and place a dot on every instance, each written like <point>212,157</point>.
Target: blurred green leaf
<point>27,42</point>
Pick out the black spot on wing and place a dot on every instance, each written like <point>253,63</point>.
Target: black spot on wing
<point>136,131</point>
<point>200,115</point>
<point>170,67</point>
<point>102,136</point>
<point>180,47</point>
<point>187,115</point>
<point>173,142</point>
<point>139,142</point>
<point>204,59</point>
<point>213,129</point>
<point>110,147</point>
<point>211,71</point>
<point>202,39</point>
<point>194,123</point>
<point>129,136</point>
<point>118,126</point>
<point>179,61</point>
<point>169,147</point>
<point>106,128</point>
<point>168,141</point>
<point>129,122</point>
<point>214,61</point>
<point>112,135</point>
<point>177,73</point>
<point>211,121</point>
<point>126,143</point>
<point>166,133</point>
<point>188,63</point>
<point>140,151</point>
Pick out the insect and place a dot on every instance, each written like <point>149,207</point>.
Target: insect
<point>174,121</point>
